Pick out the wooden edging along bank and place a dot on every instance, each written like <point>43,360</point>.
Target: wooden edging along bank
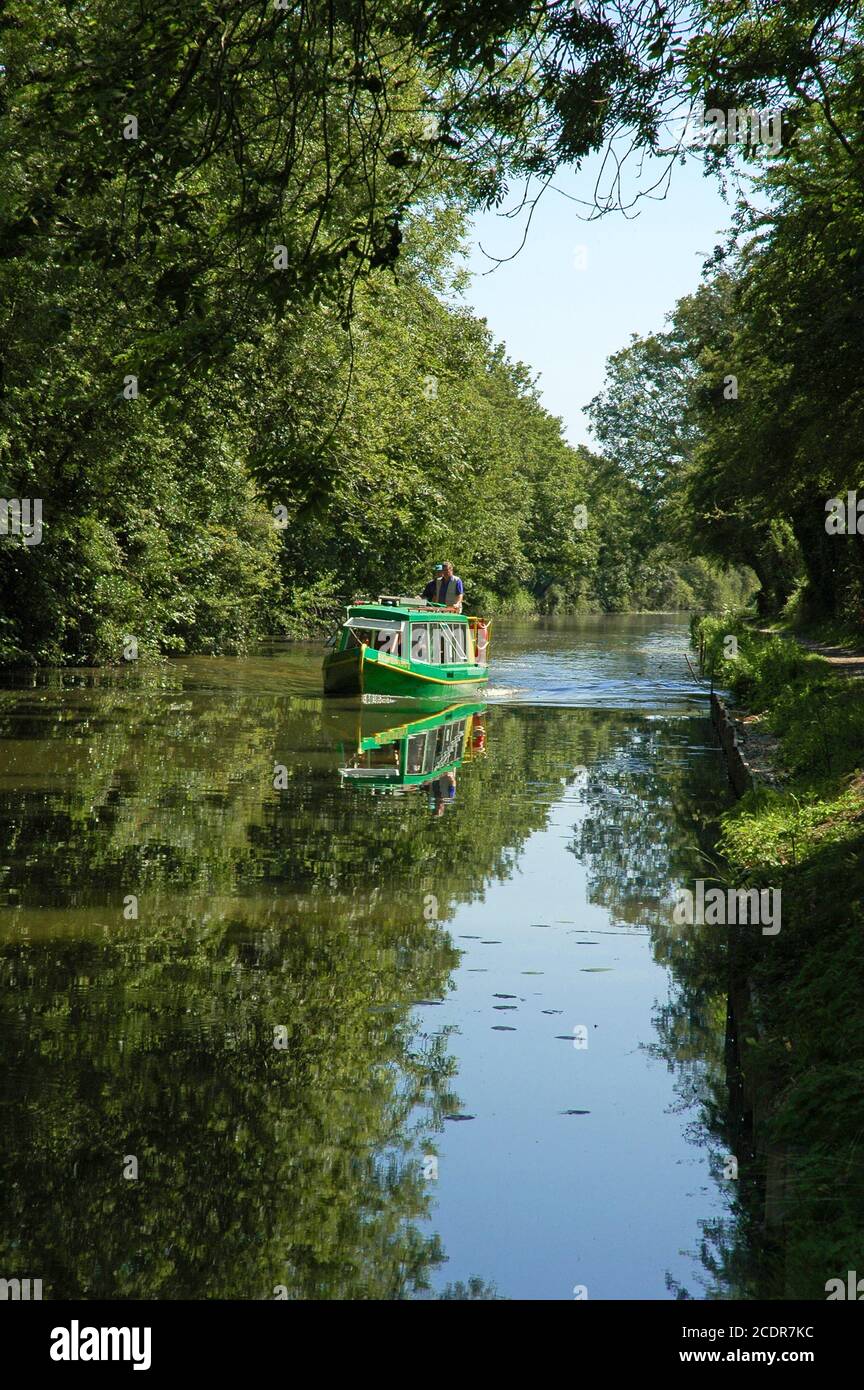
<point>740,773</point>
<point>750,1095</point>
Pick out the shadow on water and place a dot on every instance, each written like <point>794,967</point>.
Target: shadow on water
<point>262,952</point>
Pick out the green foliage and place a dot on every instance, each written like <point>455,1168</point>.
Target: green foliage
<point>744,417</point>
<point>376,451</point>
<point>202,213</point>
<point>476,1290</point>
<point>807,838</point>
<point>818,716</point>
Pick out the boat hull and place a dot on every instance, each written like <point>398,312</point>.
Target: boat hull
<point>363,671</point>
<point>343,672</point>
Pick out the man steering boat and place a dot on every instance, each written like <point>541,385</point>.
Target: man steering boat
<point>446,588</point>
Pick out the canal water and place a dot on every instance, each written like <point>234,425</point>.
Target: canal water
<point>277,1021</point>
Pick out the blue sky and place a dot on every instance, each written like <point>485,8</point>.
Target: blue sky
<point>562,321</point>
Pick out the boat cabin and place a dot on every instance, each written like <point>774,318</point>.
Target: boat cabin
<point>413,630</point>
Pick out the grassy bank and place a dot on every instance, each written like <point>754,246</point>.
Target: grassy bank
<point>805,1057</point>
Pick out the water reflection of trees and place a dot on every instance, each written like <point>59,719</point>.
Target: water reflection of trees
<point>300,1166</point>
<point>260,1167</point>
<point>649,827</point>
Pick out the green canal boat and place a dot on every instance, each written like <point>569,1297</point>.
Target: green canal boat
<point>407,647</point>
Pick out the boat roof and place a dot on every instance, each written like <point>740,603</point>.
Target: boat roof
<point>405,609</point>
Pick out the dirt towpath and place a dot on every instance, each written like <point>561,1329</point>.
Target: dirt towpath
<point>840,659</point>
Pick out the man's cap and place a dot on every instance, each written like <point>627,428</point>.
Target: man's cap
<point>438,569</point>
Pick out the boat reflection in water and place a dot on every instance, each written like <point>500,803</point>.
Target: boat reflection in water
<point>423,754</point>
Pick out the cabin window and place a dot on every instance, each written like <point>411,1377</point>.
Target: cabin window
<point>385,637</point>
<point>389,642</point>
<point>449,644</point>
<point>448,744</point>
<point>416,753</point>
<point>420,642</point>
<point>435,749</point>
